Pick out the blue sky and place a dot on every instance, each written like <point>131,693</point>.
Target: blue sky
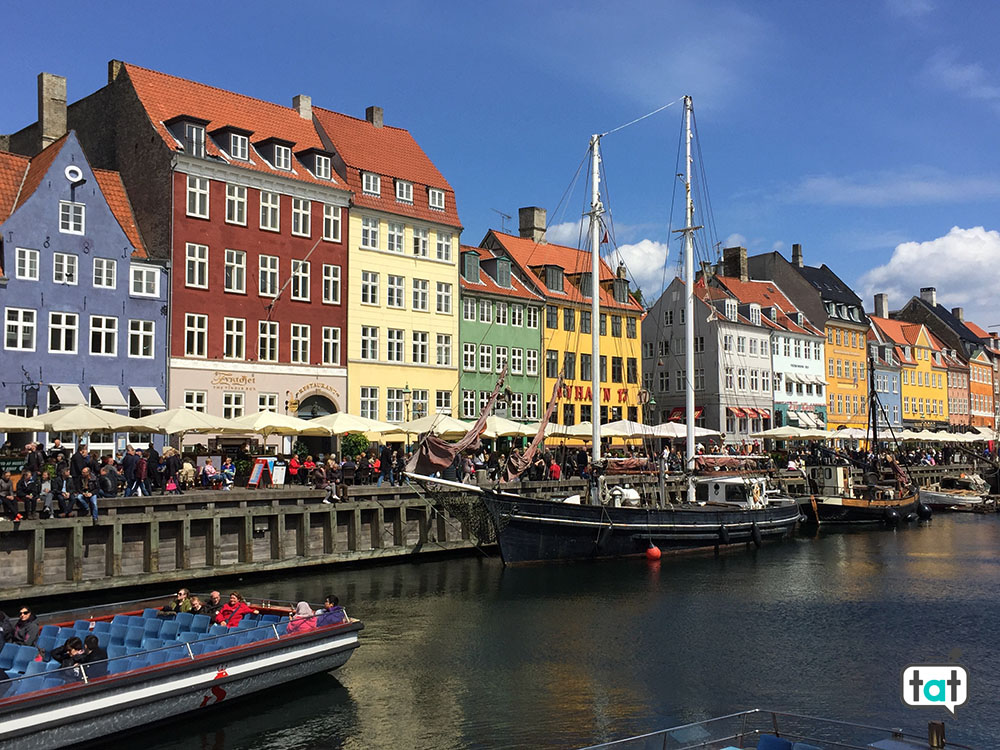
<point>866,131</point>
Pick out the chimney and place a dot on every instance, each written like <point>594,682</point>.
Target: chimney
<point>929,295</point>
<point>621,271</point>
<point>881,305</point>
<point>374,116</point>
<point>303,104</point>
<point>734,263</point>
<point>797,255</point>
<point>114,68</point>
<point>707,270</point>
<point>959,313</point>
<point>531,221</point>
<point>51,108</point>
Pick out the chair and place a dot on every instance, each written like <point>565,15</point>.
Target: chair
<point>118,633</point>
<point>268,619</point>
<point>49,630</point>
<point>282,628</point>
<point>227,641</point>
<point>117,666</point>
<point>348,474</point>
<point>29,685</point>
<point>146,613</point>
<point>7,656</point>
<point>46,642</point>
<point>218,630</point>
<point>245,624</point>
<point>52,666</point>
<point>82,625</point>
<point>116,650</point>
<point>152,628</point>
<point>200,624</point>
<point>134,650</point>
<point>169,631</point>
<point>177,652</point>
<point>183,621</point>
<point>24,656</point>
<point>152,643</point>
<point>102,626</point>
<point>35,667</point>
<point>65,634</point>
<point>120,620</point>
<point>134,637</point>
<point>200,647</point>
<point>770,742</point>
<point>158,657</point>
<point>189,637</point>
<point>103,639</point>
<point>136,622</point>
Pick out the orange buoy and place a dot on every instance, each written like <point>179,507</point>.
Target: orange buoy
<point>652,552</point>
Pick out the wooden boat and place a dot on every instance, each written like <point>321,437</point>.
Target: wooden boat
<point>837,500</point>
<point>963,492</point>
<point>149,678</point>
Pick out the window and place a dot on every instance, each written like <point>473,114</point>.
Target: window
<point>394,345</point>
<point>517,315</point>
<point>501,313</point>
<point>603,325</point>
<point>270,211</point>
<point>234,338</point>
<point>239,146</point>
<point>321,167</point>
<point>516,360</point>
<point>741,344</point>
<point>62,331</point>
<point>469,308</point>
<point>369,402</point>
<point>71,216</point>
<point>105,271</point>
<point>630,329</point>
<point>267,341</point>
<point>371,184</point>
<point>531,406</point>
<point>569,319</point>
<point>194,139</point>
<point>331,223</point>
<point>369,233</point>
<point>369,343</point>
<point>300,280</point>
<point>469,404</point>
<point>232,404</point>
<point>236,205</point>
<point>420,242</point>
<point>616,326</point>
<point>195,335</point>
<point>444,350</point>
<point>301,217</point>
<point>394,237</point>
<point>531,362</point>
<point>267,402</point>
<point>616,370</point>
<point>420,294</point>
<point>395,294</point>
<point>268,275</point>
<point>196,266</point>
<point>195,400</point>
<point>501,357</point>
<point>586,369</point>
<point>331,284</point>
<point>569,365</point>
<point>420,345</point>
<point>551,316</point>
<point>727,342</point>
<point>532,317</point>
<point>444,299</point>
<point>300,336</point>
<point>331,345</point>
<point>632,371</point>
<point>485,311</point>
<point>603,369</point>
<point>282,157</point>
<point>469,357</point>
<point>394,404</point>
<point>404,191</point>
<point>236,271</point>
<point>444,246</point>
<point>103,336</point>
<point>64,269</point>
<point>197,197</point>
<point>420,403</point>
<point>485,357</point>
<point>26,266</point>
<point>435,199</point>
<point>551,363</point>
<point>741,379</point>
<point>141,338</point>
<point>369,288</point>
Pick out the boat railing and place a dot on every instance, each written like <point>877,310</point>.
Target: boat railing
<point>745,728</point>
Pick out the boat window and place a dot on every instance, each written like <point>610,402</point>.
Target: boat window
<point>701,493</point>
<point>829,473</point>
<point>736,493</point>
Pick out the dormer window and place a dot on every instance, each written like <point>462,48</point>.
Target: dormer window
<point>404,191</point>
<point>282,157</point>
<point>503,273</point>
<point>732,311</point>
<point>755,313</point>
<point>619,291</point>
<point>554,279</point>
<point>194,139</point>
<point>435,199</point>
<point>470,267</point>
<point>906,351</point>
<point>321,167</point>
<point>239,146</point>
<point>371,184</point>
<point>586,285</point>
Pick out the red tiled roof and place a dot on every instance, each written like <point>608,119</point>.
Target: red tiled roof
<point>37,169</point>
<point>12,171</point>
<point>767,294</point>
<point>529,254</point>
<point>488,285</point>
<point>114,193</point>
<point>390,153</point>
<point>165,97</point>
<point>976,329</point>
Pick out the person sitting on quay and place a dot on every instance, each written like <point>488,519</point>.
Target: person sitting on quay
<point>82,460</point>
<point>28,491</point>
<point>305,473</point>
<point>180,603</point>
<point>7,497</point>
<point>213,605</point>
<point>317,477</point>
<point>26,628</point>
<point>302,620</point>
<point>210,475</point>
<point>293,470</point>
<point>107,483</point>
<point>87,490</point>
<point>228,472</point>
<point>186,475</point>
<point>231,613</point>
<point>95,658</point>
<point>45,494</point>
<point>332,613</point>
<point>63,489</point>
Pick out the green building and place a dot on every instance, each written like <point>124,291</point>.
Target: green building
<point>499,325</point>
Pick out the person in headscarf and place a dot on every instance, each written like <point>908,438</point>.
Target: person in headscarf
<point>302,619</point>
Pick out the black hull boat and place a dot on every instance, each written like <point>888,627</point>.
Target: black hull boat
<point>852,510</point>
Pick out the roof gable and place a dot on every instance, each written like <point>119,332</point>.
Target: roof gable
<point>12,170</point>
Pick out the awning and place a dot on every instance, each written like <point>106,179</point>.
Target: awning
<point>737,412</point>
<point>67,394</point>
<point>109,397</point>
<point>148,398</point>
<point>793,377</point>
<point>752,413</point>
<point>764,413</point>
<point>677,413</point>
<point>807,419</point>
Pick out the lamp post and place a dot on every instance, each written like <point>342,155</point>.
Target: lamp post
<point>407,396</point>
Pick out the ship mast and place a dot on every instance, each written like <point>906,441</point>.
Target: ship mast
<point>596,209</point>
<point>688,230</point>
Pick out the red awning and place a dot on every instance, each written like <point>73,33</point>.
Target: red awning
<point>677,413</point>
<point>764,413</point>
<point>753,413</point>
<point>737,412</point>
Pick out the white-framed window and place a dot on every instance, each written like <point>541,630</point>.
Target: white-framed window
<point>394,344</point>
<point>196,266</point>
<point>517,315</point>
<point>141,338</point>
<point>485,357</point>
<point>516,405</point>
<point>369,233</point>
<point>435,199</point>
<point>469,308</point>
<point>236,204</point>
<point>516,360</point>
<point>282,157</point>
<point>421,241</point>
<point>485,311</point>
<point>444,350</point>
<point>301,217</point>
<point>331,223</point>
<point>267,402</point>
<point>369,288</point>
<point>531,406</point>
<point>239,146</point>
<point>394,236</point>
<point>300,335</point>
<point>369,343</point>
<point>197,196</point>
<point>531,316</point>
<point>195,335</point>
<point>469,357</point>
<point>26,265</point>
<point>195,400</point>
<point>300,280</point>
<point>63,332</point>
<point>72,217</point>
<point>105,273</point>
<point>234,339</point>
<point>267,341</point>
<point>404,191</point>
<point>145,281</point>
<point>371,184</point>
<point>331,284</point>
<point>420,294</point>
<point>444,298</point>
<point>369,402</point>
<point>501,313</point>
<point>442,402</point>
<point>236,271</point>
<point>104,335</point>
<point>420,403</point>
<point>194,139</point>
<point>393,404</point>
<point>321,165</point>
<point>233,403</point>
<point>444,246</point>
<point>19,329</point>
<point>420,345</point>
<point>270,211</point>
<point>267,275</point>
<point>331,345</point>
<point>469,404</point>
<point>531,362</point>
<point>395,291</point>
<point>64,269</point>
<point>501,357</point>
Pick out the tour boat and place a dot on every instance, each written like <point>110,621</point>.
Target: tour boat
<point>158,668</point>
<point>964,492</point>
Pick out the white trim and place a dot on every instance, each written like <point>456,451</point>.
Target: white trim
<point>270,368</point>
<point>239,174</point>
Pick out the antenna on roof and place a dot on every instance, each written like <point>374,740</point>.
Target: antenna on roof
<point>503,216</point>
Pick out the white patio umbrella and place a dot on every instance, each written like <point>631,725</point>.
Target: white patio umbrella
<point>183,420</point>
<point>848,433</point>
<point>342,423</point>
<point>678,431</point>
<point>271,423</point>
<point>439,424</point>
<point>501,427</point>
<point>625,428</point>
<point>14,423</point>
<point>530,429</point>
<point>83,418</point>
<point>792,433</point>
<point>580,430</point>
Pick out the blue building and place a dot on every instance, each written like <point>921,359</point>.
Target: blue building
<point>84,310</point>
<point>887,382</point>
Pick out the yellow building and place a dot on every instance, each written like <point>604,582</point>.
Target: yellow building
<point>846,374</point>
<point>923,372</point>
<point>562,276</point>
<point>402,276</point>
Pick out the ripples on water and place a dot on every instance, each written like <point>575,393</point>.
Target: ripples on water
<point>462,653</point>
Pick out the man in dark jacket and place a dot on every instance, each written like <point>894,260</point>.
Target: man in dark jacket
<point>81,460</point>
<point>28,490</point>
<point>95,658</point>
<point>108,487</point>
<point>212,605</point>
<point>57,450</point>
<point>35,459</point>
<point>385,465</point>
<point>26,628</point>
<point>128,469</point>
<point>63,489</point>
<point>87,490</point>
<point>153,475</point>
<point>70,653</point>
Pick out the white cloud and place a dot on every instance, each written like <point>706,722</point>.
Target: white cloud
<point>735,240</point>
<point>960,265</point>
<point>916,186</point>
<point>910,9</point>
<point>969,80</point>
<point>646,261</point>
<point>569,233</point>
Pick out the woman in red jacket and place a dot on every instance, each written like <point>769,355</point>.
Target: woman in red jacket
<point>293,470</point>
<point>231,614</point>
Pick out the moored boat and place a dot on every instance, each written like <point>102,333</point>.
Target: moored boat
<point>963,492</point>
<point>837,500</point>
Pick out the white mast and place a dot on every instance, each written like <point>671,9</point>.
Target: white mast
<point>596,209</point>
<point>689,302</point>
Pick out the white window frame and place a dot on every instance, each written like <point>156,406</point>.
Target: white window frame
<point>369,401</point>
<point>301,217</point>
<point>64,328</point>
<point>369,233</point>
<point>421,292</point>
<point>331,346</point>
<point>531,362</point>
<point>19,320</point>
<point>369,288</point>
<point>485,358</point>
<point>331,223</point>
<point>196,401</point>
<point>371,183</point>
<point>194,139</point>
<point>531,406</point>
<point>395,237</point>
<point>239,146</point>
<point>404,191</point>
<point>196,266</point>
<point>435,199</point>
<point>500,313</point>
<point>234,340</point>
<point>65,269</point>
<point>282,157</point>
<point>421,242</point>
<point>143,277</point>
<point>105,273</point>
<point>469,307</point>
<point>27,264</point>
<point>331,284</point>
<point>395,339</point>
<point>141,337</point>
<point>369,343</point>
<point>236,204</point>
<point>198,196</point>
<point>196,324</point>
<point>270,211</point>
<point>420,347</point>
<point>300,339</point>
<point>268,341</point>
<point>268,275</point>
<point>321,167</point>
<point>516,361</point>
<point>267,402</point>
<point>470,357</point>
<point>444,246</point>
<point>300,287</point>
<point>395,291</point>
<point>442,402</point>
<point>517,315</point>
<point>105,327</point>
<point>235,276</point>
<point>233,404</point>
<point>443,299</point>
<point>531,317</point>
<point>72,217</point>
<point>469,407</point>
<point>444,350</point>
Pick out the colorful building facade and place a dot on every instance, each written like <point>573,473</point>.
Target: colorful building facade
<point>923,372</point>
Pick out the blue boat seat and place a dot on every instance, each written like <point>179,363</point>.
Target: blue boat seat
<point>146,613</point>
<point>24,655</point>
<point>82,625</point>
<point>177,652</point>
<point>117,666</point>
<point>134,637</point>
<point>49,630</point>
<point>188,637</point>
<point>29,685</point>
<point>281,627</point>
<point>118,633</point>
<point>103,639</point>
<point>169,631</point>
<point>200,624</point>
<point>218,630</point>
<point>52,681</point>
<point>183,621</point>
<point>102,626</point>
<point>227,641</point>
<point>245,624</point>
<point>46,642</point>
<point>270,619</point>
<point>115,650</point>
<point>120,620</point>
<point>7,656</point>
<point>153,643</point>
<point>152,627</point>
<point>34,667</point>
<point>65,634</point>
<point>52,666</point>
<point>770,742</point>
<point>158,657</point>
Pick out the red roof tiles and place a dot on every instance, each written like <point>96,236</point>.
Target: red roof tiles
<point>12,170</point>
<point>114,193</point>
<point>767,294</point>
<point>488,285</point>
<point>37,169</point>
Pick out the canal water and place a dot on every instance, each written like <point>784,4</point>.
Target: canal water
<point>462,653</point>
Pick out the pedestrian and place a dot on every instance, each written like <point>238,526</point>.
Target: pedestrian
<point>171,472</point>
<point>385,466</point>
<point>128,469</point>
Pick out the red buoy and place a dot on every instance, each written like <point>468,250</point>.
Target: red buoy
<point>652,552</point>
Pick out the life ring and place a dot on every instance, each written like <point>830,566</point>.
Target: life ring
<point>755,491</point>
